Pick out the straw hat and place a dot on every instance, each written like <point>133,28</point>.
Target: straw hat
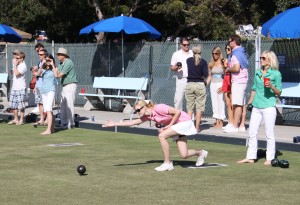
<point>16,52</point>
<point>62,51</point>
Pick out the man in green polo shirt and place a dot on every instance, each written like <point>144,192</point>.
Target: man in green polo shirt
<point>67,73</point>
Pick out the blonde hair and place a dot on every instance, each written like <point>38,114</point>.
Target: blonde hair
<point>147,103</point>
<point>272,58</point>
<point>212,61</point>
<point>197,53</point>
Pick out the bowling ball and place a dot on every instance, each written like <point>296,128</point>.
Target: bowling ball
<point>275,163</point>
<point>250,107</point>
<point>81,169</point>
<point>284,164</point>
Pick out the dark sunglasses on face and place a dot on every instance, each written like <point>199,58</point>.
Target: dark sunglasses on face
<point>139,110</point>
<point>262,58</point>
<point>18,58</point>
<point>215,53</point>
<point>185,44</point>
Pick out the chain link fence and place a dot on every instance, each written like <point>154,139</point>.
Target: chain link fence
<point>151,59</point>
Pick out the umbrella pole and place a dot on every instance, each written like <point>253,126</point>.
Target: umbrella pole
<point>123,69</point>
<point>6,58</point>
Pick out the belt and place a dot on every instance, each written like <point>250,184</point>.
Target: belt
<point>217,76</point>
<point>68,84</point>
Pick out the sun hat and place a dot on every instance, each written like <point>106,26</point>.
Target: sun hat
<point>62,51</point>
<point>16,52</point>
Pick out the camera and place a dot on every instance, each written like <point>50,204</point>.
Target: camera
<point>179,64</point>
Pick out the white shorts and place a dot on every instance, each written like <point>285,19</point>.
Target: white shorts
<point>48,101</point>
<point>238,93</point>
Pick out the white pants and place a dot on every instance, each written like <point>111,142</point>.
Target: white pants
<point>217,100</point>
<point>179,93</point>
<point>269,117</point>
<point>67,104</point>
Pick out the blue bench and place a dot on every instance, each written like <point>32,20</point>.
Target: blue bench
<point>3,82</point>
<point>119,86</point>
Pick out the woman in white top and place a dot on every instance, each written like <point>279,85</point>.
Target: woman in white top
<point>215,78</point>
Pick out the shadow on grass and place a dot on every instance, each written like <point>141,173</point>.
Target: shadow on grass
<point>182,163</point>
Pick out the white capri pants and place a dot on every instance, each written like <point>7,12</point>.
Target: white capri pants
<point>48,101</point>
<point>269,117</point>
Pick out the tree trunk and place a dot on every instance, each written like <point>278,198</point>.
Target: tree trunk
<point>100,36</point>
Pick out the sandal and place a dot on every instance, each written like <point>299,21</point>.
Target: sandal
<point>20,123</point>
<point>12,122</point>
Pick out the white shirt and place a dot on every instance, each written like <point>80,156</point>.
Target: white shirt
<point>19,82</point>
<point>181,56</point>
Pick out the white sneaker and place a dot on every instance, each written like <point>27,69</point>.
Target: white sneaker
<point>202,156</point>
<point>165,167</point>
<point>242,129</point>
<point>232,129</point>
<point>227,126</point>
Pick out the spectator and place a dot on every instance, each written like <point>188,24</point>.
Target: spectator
<point>178,64</point>
<point>18,89</point>
<point>48,91</point>
<point>216,81</point>
<point>37,90</point>
<point>195,93</point>
<point>177,124</point>
<point>38,47</point>
<point>226,87</point>
<point>67,73</point>
<point>238,67</point>
<point>263,98</point>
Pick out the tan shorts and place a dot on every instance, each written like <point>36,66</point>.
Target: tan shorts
<point>195,94</point>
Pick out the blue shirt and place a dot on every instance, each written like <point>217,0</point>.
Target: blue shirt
<point>48,82</point>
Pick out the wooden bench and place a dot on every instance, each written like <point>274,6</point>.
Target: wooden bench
<point>3,88</point>
<point>120,86</point>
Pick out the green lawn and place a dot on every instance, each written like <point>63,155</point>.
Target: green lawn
<point>120,170</point>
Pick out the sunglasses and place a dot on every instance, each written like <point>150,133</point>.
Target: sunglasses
<point>139,110</point>
<point>215,53</point>
<point>185,44</point>
<point>263,58</point>
<point>48,60</point>
<point>18,58</point>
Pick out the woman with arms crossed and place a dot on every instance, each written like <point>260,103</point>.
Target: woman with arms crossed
<point>176,124</point>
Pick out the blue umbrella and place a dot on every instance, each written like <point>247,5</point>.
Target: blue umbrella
<point>9,35</point>
<point>283,25</point>
<point>123,24</point>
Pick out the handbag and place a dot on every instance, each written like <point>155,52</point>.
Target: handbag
<point>32,83</point>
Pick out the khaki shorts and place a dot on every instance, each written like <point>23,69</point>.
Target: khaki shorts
<point>195,94</point>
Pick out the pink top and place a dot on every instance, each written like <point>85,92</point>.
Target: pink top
<point>160,114</point>
<point>239,77</point>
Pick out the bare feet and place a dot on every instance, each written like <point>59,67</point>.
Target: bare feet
<point>46,133</point>
<point>267,163</point>
<point>246,161</point>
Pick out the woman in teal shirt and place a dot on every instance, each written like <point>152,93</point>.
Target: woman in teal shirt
<point>266,87</point>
